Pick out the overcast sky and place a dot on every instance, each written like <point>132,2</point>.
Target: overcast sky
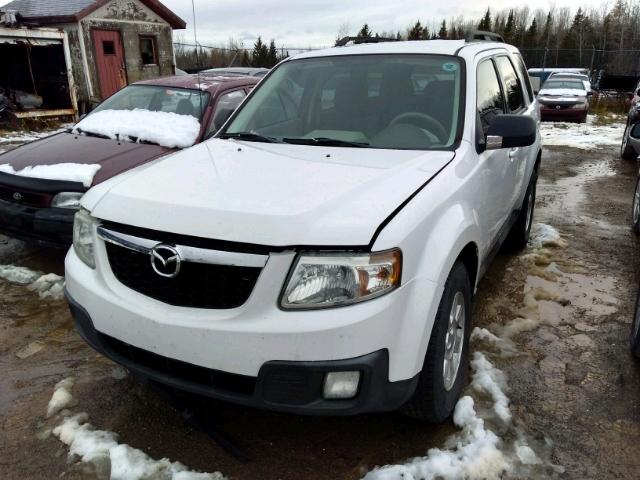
<point>304,23</point>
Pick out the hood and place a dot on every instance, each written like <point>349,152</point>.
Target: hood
<point>113,156</point>
<point>268,194</point>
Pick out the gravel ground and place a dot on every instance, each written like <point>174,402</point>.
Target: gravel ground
<point>563,310</point>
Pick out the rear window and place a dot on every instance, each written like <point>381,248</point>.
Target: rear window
<point>564,84</point>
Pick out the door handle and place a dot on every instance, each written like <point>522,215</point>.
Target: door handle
<point>512,153</point>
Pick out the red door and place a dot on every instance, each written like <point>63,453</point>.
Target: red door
<point>110,61</point>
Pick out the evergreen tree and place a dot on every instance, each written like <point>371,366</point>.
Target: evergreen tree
<point>416,32</point>
<point>531,37</point>
<point>485,23</point>
<point>443,33</point>
<point>246,59</point>
<point>425,33</point>
<point>365,31</point>
<point>509,28</point>
<point>260,56</point>
<point>272,55</point>
<point>546,31</point>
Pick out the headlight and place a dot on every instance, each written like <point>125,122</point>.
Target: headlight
<point>580,106</point>
<point>331,280</point>
<point>67,200</point>
<point>84,226</point>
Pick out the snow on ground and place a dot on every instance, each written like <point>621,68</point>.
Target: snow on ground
<point>71,172</point>
<point>87,444</point>
<point>584,136</point>
<point>48,286</point>
<point>27,136</point>
<point>543,235</point>
<point>476,452</point>
<point>164,128</point>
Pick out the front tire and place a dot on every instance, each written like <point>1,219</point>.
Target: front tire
<point>627,152</point>
<point>634,338</point>
<point>444,371</point>
<point>635,211</point>
<point>518,236</point>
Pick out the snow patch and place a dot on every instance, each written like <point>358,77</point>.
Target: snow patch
<point>584,136</point>
<point>61,398</point>
<point>126,462</point>
<point>168,129</point>
<point>474,453</point>
<point>71,172</point>
<point>24,137</point>
<point>543,235</point>
<point>490,380</point>
<point>48,286</point>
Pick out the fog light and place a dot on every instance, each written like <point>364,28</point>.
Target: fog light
<point>341,385</point>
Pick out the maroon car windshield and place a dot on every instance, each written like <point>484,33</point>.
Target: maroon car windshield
<point>158,99</point>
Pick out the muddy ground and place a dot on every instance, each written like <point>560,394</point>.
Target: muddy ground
<point>574,387</point>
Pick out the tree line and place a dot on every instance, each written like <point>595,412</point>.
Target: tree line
<point>605,37</point>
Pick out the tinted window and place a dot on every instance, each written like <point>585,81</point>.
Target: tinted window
<point>490,100</point>
<point>523,72</point>
<point>513,89</point>
<point>384,101</point>
<point>227,102</point>
<point>564,84</point>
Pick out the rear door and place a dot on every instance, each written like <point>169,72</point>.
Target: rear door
<point>109,61</point>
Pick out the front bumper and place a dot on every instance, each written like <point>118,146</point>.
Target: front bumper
<point>287,386</point>
<point>551,113</point>
<point>50,227</point>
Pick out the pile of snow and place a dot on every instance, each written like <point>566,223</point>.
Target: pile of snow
<point>168,129</point>
<point>476,452</point>
<point>90,445</point>
<point>543,235</point>
<point>48,286</point>
<point>583,136</point>
<point>71,172</point>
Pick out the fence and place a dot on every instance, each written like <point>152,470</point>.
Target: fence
<point>613,62</point>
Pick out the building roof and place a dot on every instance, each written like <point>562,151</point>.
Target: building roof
<point>60,11</point>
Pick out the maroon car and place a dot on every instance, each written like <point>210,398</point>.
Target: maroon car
<point>41,210</point>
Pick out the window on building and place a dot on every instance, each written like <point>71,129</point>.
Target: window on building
<point>108,47</point>
<point>148,51</point>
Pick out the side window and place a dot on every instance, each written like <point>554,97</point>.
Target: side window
<point>227,102</point>
<point>489,95</point>
<point>512,86</point>
<point>525,75</point>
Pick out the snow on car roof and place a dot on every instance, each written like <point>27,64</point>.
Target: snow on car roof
<point>441,47</point>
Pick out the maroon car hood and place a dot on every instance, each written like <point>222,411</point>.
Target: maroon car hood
<point>115,157</point>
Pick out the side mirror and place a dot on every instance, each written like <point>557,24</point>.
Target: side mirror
<point>589,93</point>
<point>511,131</point>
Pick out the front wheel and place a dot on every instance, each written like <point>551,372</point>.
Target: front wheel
<point>444,371</point>
<point>635,212</point>
<point>634,338</point>
<point>627,152</point>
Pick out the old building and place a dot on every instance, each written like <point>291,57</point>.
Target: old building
<point>101,46</point>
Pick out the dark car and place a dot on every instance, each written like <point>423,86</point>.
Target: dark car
<point>41,210</point>
<point>630,147</point>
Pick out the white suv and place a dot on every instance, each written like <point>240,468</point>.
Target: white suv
<point>320,255</point>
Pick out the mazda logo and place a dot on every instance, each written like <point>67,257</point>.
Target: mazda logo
<point>17,196</point>
<point>165,261</point>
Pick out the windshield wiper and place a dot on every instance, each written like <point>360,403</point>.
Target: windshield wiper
<point>250,137</point>
<point>88,134</point>
<point>326,142</point>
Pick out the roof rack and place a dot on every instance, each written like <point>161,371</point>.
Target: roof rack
<point>358,40</point>
<point>482,36</point>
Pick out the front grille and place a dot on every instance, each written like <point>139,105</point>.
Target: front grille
<point>23,197</point>
<point>177,369</point>
<point>198,285</point>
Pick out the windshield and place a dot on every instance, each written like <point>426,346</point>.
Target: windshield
<point>564,84</point>
<point>158,99</point>
<point>379,101</point>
